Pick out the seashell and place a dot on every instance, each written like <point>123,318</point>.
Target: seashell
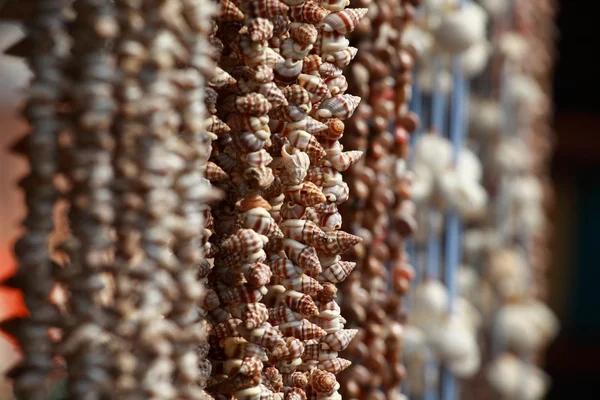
<point>345,160</point>
<point>253,202</point>
<point>255,314</point>
<point>264,8</point>
<point>260,29</point>
<point>315,352</point>
<point>259,177</point>
<point>315,86</point>
<point>221,79</point>
<point>295,347</point>
<point>341,106</point>
<point>215,125</point>
<point>238,348</point>
<point>272,93</point>
<point>304,231</point>
<point>230,12</point>
<point>309,12</point>
<point>296,379</point>
<point>254,104</point>
<point>266,336</point>
<point>268,57</point>
<point>295,394</point>
<point>295,164</point>
<point>257,159</point>
<point>330,325</point>
<point>290,113</point>
<point>288,71</point>
<point>304,284</point>
<point>214,173</point>
<point>259,220</point>
<point>296,94</point>
<point>307,194</point>
<point>304,330</point>
<point>244,241</point>
<point>332,42</point>
<point>308,124</point>
<point>324,382</point>
<point>290,49</point>
<point>338,271</point>
<point>337,85</point>
<point>273,378</point>
<point>339,340</point>
<point>335,365</point>
<point>282,314</point>
<point>209,300</point>
<point>302,33</point>
<point>302,255</point>
<point>324,176</point>
<point>344,21</point>
<point>461,28</point>
<point>259,275</point>
<point>242,294</point>
<point>228,328</point>
<point>306,142</point>
<point>240,123</point>
<point>334,5</point>
<point>326,296</point>
<point>328,70</point>
<point>312,64</point>
<point>335,129</point>
<point>249,142</point>
<point>337,194</point>
<point>301,303</point>
<point>291,210</point>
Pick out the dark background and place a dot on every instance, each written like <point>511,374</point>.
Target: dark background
<point>572,360</point>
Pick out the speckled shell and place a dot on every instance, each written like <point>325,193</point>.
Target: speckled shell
<point>306,195</point>
<point>259,220</point>
<point>339,340</point>
<point>338,272</point>
<point>228,328</point>
<point>341,106</point>
<point>323,382</point>
<point>317,353</point>
<point>254,104</point>
<point>303,255</point>
<point>305,232</point>
<point>260,29</point>
<point>344,21</point>
<point>301,303</point>
<point>309,12</point>
<point>264,8</point>
<point>230,12</point>
<point>255,314</point>
<point>306,142</point>
<point>317,88</point>
<point>304,330</point>
<point>335,365</point>
<point>303,33</point>
<point>296,379</point>
<point>283,314</point>
<point>304,284</point>
<point>244,241</point>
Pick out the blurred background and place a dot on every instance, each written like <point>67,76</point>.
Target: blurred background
<point>572,359</point>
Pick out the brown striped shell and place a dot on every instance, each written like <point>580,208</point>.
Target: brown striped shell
<point>344,21</point>
<point>340,106</point>
<point>254,104</point>
<point>324,383</point>
<point>255,314</point>
<point>303,283</point>
<point>304,330</point>
<point>301,303</point>
<point>304,231</point>
<point>260,29</point>
<point>264,8</point>
<point>309,12</point>
<point>335,365</point>
<point>339,340</point>
<point>338,271</point>
<point>302,255</point>
<point>303,33</point>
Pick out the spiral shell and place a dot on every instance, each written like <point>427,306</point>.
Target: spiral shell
<point>317,88</point>
<point>308,124</point>
<point>323,382</point>
<point>290,49</point>
<point>339,340</point>
<point>317,353</point>
<point>304,330</point>
<point>260,29</point>
<point>244,241</point>
<point>291,210</point>
<point>295,164</point>
<point>264,8</point>
<point>283,314</point>
<point>228,328</point>
<point>255,315</point>
<point>304,231</point>
<point>307,195</point>
<point>301,303</point>
<point>309,12</point>
<point>303,33</point>
<point>338,271</point>
<point>254,104</point>
<point>340,106</point>
<point>259,220</point>
<point>306,142</point>
<point>335,365</point>
<point>304,284</point>
<point>230,12</point>
<point>312,64</point>
<point>288,71</point>
<point>344,21</point>
<point>303,255</point>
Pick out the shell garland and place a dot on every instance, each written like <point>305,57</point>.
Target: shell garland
<point>280,100</point>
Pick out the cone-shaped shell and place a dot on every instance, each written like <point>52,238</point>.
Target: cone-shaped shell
<point>304,330</point>
<point>254,104</point>
<point>264,8</point>
<point>335,366</point>
<point>340,106</point>
<point>304,231</point>
<point>344,21</point>
<point>340,242</point>
<point>301,303</point>
<point>255,315</point>
<point>302,255</point>
<point>304,284</point>
<point>339,340</point>
<point>245,241</point>
<point>283,314</point>
<point>260,29</point>
<point>309,12</point>
<point>230,12</point>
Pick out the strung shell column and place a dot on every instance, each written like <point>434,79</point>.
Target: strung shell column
<point>46,51</point>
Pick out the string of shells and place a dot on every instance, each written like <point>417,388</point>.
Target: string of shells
<point>381,211</point>
<point>278,101</point>
<point>117,111</point>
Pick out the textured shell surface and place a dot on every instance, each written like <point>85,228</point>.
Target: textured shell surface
<point>260,29</point>
<point>291,49</point>
<point>335,365</point>
<point>344,21</point>
<point>303,255</point>
<point>304,330</point>
<point>309,12</point>
<point>291,210</point>
<point>301,303</point>
<point>318,89</point>
<point>306,142</point>
<point>303,33</point>
<point>304,231</point>
<point>295,164</point>
<point>304,284</point>
<point>338,271</point>
<point>323,382</point>
<point>283,314</point>
<point>308,124</point>
<point>255,315</point>
<point>334,5</point>
<point>341,106</point>
<point>307,195</point>
<point>332,42</point>
<point>246,241</point>
<point>339,340</point>
<point>253,103</point>
<point>264,8</point>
